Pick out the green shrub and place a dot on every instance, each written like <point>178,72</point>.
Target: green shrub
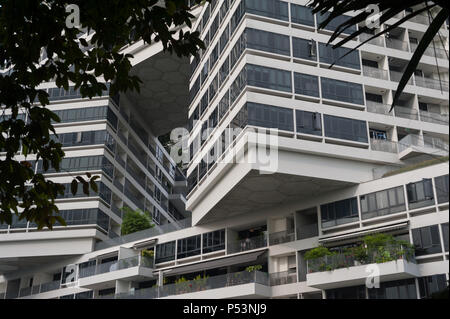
<point>253,268</point>
<point>317,253</point>
<point>134,220</point>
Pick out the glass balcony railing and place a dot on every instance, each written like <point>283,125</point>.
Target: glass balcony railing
<point>422,141</point>
<point>380,108</point>
<point>375,73</point>
<point>247,244</point>
<point>281,237</point>
<point>346,260</point>
<point>282,278</point>
<point>430,83</point>
<point>406,112</point>
<point>438,52</point>
<point>436,118</point>
<point>396,77</point>
<point>377,41</point>
<point>383,146</point>
<point>307,231</point>
<point>208,283</point>
<point>37,289</point>
<point>397,44</point>
<point>116,265</point>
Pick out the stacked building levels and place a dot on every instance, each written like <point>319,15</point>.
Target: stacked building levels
<point>340,166</point>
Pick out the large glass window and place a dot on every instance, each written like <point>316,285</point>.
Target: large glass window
<point>188,247</point>
<point>426,240</point>
<point>270,116</point>
<point>269,78</point>
<point>306,84</point>
<point>358,292</point>
<point>340,212</point>
<point>308,122</point>
<point>214,241</point>
<point>399,289</point>
<point>269,8</point>
<point>224,70</point>
<point>224,38</point>
<point>342,91</point>
<point>344,128</point>
<point>335,23</point>
<point>445,235</point>
<point>165,252</point>
<point>441,184</point>
<point>268,41</point>
<point>420,194</point>
<point>382,203</point>
<point>431,284</point>
<point>304,49</point>
<point>329,55</point>
<point>302,15</point>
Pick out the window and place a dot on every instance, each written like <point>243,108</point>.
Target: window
<point>306,84</point>
<point>329,55</point>
<point>270,116</point>
<point>224,71</point>
<point>165,252</point>
<point>420,194</point>
<point>268,41</point>
<point>431,284</point>
<point>382,203</point>
<point>308,122</point>
<point>426,240</point>
<point>374,98</point>
<point>214,241</point>
<point>269,78</point>
<point>214,56</point>
<point>302,15</point>
<point>347,129</point>
<point>334,24</point>
<point>188,247</point>
<point>399,289</point>
<point>214,27</point>
<point>192,180</point>
<point>224,104</point>
<point>441,184</point>
<point>204,73</point>
<point>224,39</point>
<point>213,87</point>
<point>237,50</point>
<point>304,49</point>
<point>358,292</point>
<point>204,103</point>
<point>340,212</point>
<point>269,8</point>
<point>342,91</point>
<point>445,235</point>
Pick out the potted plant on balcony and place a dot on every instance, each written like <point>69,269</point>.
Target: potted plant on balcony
<point>181,285</point>
<point>316,256</point>
<point>199,283</point>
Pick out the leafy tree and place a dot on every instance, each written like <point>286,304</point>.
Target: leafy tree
<point>37,46</point>
<point>437,11</point>
<point>135,220</point>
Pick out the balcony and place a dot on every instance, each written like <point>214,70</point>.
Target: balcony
<point>430,83</point>
<point>383,146</point>
<point>241,284</point>
<point>397,44</point>
<point>406,113</point>
<point>438,52</point>
<point>436,118</point>
<point>45,287</point>
<point>247,244</point>
<point>379,108</point>
<point>377,41</point>
<point>412,145</point>
<point>134,268</point>
<point>282,278</point>
<point>307,231</point>
<point>396,76</point>
<point>281,237</point>
<point>375,73</point>
<point>342,270</point>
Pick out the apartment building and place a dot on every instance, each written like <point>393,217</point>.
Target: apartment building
<point>343,167</point>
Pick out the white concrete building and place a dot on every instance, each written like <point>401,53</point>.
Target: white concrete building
<point>340,167</point>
